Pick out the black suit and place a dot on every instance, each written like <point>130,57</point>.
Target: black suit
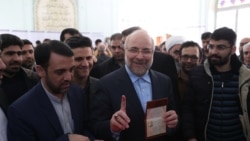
<point>163,63</point>
<point>33,118</point>
<point>108,99</point>
<point>104,68</point>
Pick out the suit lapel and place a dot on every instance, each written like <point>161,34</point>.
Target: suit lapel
<point>48,109</point>
<point>133,102</point>
<point>74,107</point>
<point>156,90</point>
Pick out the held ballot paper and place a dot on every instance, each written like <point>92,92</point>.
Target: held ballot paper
<point>154,124</point>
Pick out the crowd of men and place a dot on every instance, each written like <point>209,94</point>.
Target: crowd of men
<point>68,91</point>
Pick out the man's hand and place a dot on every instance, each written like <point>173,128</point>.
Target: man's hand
<point>170,118</point>
<point>76,137</point>
<point>120,121</point>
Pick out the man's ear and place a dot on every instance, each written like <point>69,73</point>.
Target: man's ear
<point>233,50</point>
<point>40,71</point>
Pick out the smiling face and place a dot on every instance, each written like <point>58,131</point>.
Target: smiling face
<point>190,58</point>
<point>83,62</point>
<point>58,75</point>
<point>139,52</point>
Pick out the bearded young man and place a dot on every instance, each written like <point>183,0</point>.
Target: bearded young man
<point>216,102</point>
<point>16,80</point>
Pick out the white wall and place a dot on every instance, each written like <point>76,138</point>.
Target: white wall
<point>183,17</point>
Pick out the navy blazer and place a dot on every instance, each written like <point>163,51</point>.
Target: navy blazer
<point>33,118</point>
<point>107,101</point>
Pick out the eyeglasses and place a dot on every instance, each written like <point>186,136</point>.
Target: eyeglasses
<point>218,47</point>
<point>144,51</point>
<point>192,57</point>
<point>116,47</point>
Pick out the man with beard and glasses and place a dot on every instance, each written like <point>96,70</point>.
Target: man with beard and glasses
<point>16,80</point>
<point>53,110</point>
<point>119,106</point>
<point>190,57</point>
<point>216,103</point>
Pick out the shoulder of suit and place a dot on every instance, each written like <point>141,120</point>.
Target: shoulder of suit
<point>156,73</point>
<point>31,74</point>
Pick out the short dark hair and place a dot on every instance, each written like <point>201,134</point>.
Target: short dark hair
<point>205,35</point>
<point>116,36</point>
<point>71,31</point>
<point>97,41</point>
<point>10,39</point>
<point>79,41</point>
<point>224,33</point>
<point>27,42</point>
<point>44,50</point>
<point>130,30</point>
<point>38,42</point>
<point>188,44</point>
<point>46,40</point>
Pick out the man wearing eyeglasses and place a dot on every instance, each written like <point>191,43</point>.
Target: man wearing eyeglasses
<point>118,112</point>
<point>190,57</point>
<point>216,103</point>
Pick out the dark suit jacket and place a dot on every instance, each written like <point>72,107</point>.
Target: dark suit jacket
<point>108,98</point>
<point>30,79</point>
<point>90,90</point>
<point>33,118</point>
<point>165,64</point>
<point>104,68</point>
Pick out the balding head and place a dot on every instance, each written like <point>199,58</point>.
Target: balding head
<point>244,41</point>
<point>139,49</point>
<point>139,35</point>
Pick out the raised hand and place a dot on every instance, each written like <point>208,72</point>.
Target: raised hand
<point>120,121</point>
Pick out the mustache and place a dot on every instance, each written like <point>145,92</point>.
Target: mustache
<point>214,56</point>
<point>15,63</point>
